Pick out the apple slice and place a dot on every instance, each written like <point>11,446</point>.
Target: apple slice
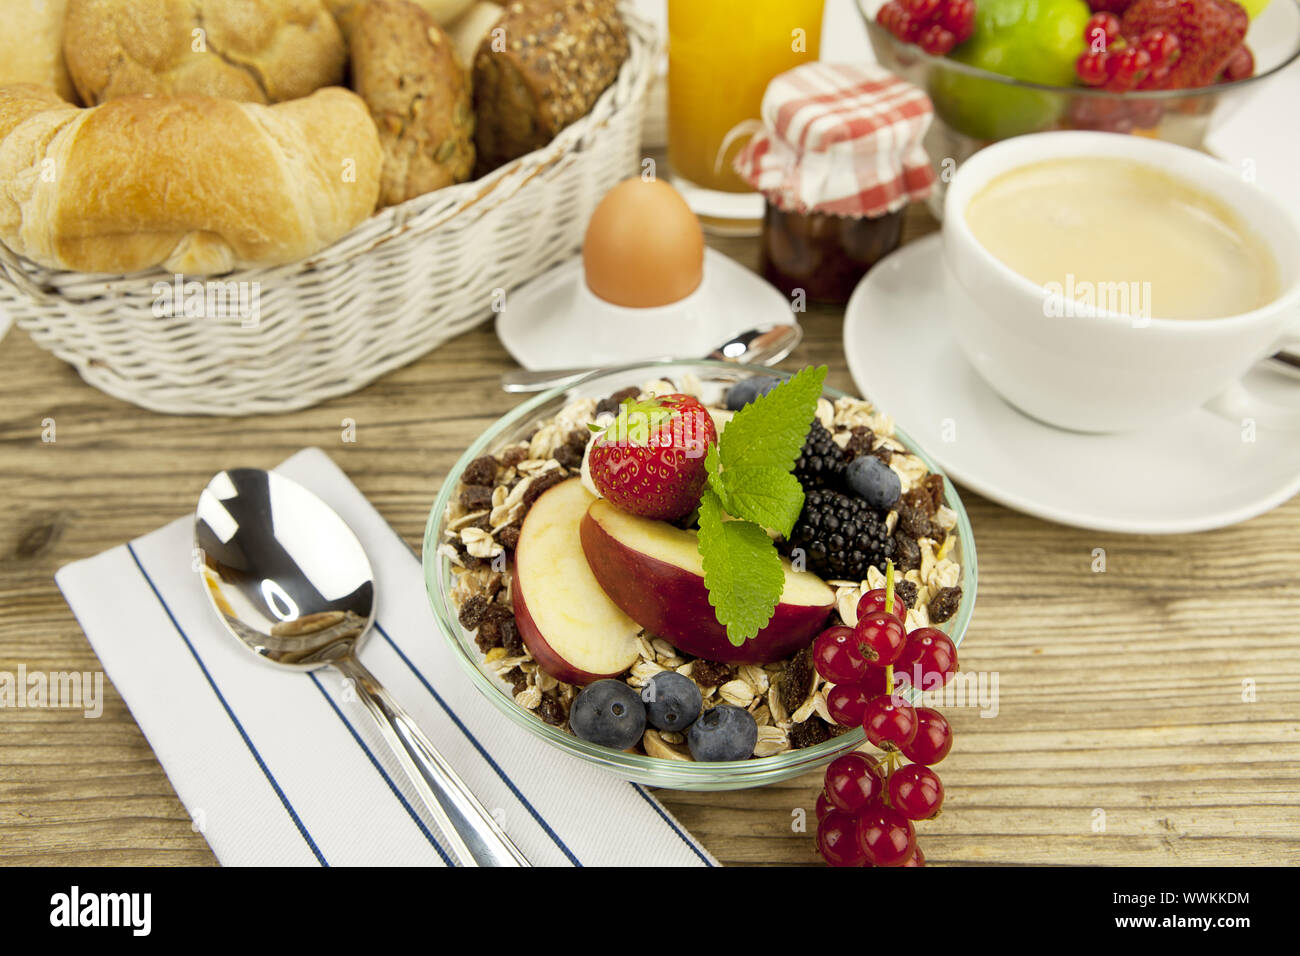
<point>573,630</point>
<point>653,571</point>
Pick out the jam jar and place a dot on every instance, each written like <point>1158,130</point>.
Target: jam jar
<point>838,158</point>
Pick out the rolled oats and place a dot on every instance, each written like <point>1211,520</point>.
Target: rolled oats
<point>756,678</point>
<point>737,693</point>
<point>771,741</point>
<point>479,543</point>
<point>656,746</point>
<point>529,698</point>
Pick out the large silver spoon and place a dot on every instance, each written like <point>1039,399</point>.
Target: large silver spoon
<point>762,346</point>
<point>291,582</point>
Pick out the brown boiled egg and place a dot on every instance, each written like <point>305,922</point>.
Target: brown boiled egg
<point>644,247</point>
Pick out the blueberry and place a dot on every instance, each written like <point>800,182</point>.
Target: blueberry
<point>723,733</point>
<point>672,702</point>
<point>608,713</point>
<point>875,481</point>
<point>748,389</point>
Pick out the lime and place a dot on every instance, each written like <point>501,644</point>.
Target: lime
<point>1033,40</point>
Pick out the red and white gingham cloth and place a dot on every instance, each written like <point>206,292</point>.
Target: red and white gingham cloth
<point>840,139</point>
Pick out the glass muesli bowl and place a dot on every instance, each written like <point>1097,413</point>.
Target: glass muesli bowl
<point>653,771</point>
<point>975,107</point>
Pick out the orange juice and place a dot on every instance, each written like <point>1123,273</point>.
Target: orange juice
<point>721,55</point>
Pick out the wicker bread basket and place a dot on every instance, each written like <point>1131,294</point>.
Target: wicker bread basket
<point>406,280</point>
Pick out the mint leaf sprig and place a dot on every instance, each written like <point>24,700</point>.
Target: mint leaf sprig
<point>750,480</point>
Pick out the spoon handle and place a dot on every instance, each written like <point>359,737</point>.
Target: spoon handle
<point>471,833</point>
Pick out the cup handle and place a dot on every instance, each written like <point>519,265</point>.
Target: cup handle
<point>1237,404</point>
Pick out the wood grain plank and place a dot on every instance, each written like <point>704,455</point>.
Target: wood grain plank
<point>1119,692</point>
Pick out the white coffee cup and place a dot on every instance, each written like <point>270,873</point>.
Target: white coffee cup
<point>1103,371</point>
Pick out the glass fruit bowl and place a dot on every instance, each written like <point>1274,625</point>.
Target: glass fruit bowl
<point>974,107</point>
<point>714,377</point>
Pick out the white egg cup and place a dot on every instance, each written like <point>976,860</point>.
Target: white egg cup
<point>556,321</point>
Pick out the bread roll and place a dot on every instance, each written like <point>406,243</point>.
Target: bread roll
<point>198,185</point>
<point>542,66</point>
<point>31,45</point>
<point>442,11</point>
<point>259,51</point>
<point>405,68</point>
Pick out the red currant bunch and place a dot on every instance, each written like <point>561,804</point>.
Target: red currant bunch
<point>868,806</point>
<point>936,26</point>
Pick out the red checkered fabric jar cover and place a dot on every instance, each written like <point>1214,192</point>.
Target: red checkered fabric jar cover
<point>841,139</point>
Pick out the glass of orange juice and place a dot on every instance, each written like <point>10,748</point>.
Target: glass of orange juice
<point>721,55</point>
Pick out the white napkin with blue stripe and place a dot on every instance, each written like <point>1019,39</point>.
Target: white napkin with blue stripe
<point>283,767</point>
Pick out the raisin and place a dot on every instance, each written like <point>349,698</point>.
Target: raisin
<point>472,612</point>
<point>907,555</point>
<point>861,438</point>
<point>933,484</point>
<point>480,471</point>
<point>517,680</point>
<point>513,456</point>
<point>541,484</point>
<point>944,604</point>
<point>796,680</point>
<point>570,453</point>
<point>476,497</point>
<point>883,453</point>
<point>491,629</point>
<point>508,537</point>
<point>811,732</point>
<point>511,639</point>
<point>551,710</point>
<point>611,403</point>
<point>913,521</point>
<point>906,590</point>
<point>711,673</point>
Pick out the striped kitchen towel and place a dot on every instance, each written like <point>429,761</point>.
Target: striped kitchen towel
<point>285,767</point>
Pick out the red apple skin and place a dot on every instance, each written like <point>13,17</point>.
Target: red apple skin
<point>679,610</point>
<point>547,659</point>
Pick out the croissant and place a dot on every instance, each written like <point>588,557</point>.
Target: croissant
<point>194,184</point>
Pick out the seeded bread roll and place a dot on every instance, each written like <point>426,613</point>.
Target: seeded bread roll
<point>542,66</point>
<point>405,68</point>
<point>31,45</point>
<point>258,51</point>
<point>199,185</point>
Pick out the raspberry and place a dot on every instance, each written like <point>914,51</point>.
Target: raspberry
<point>1240,65</point>
<point>1209,33</point>
<point>1116,7</point>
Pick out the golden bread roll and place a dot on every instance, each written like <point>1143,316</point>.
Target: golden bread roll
<point>404,66</point>
<point>194,184</point>
<point>259,51</point>
<point>31,45</point>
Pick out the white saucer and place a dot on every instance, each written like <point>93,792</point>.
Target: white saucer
<point>543,327</point>
<point>1192,474</point>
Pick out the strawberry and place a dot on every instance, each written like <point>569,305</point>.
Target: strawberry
<point>1209,33</point>
<point>650,460</point>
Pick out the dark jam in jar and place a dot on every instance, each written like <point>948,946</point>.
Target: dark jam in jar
<point>824,255</point>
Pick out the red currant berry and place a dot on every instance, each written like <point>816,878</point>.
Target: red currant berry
<point>838,655</point>
<point>873,602</point>
<point>933,738</point>
<point>892,17</point>
<point>915,791</point>
<point>1127,68</point>
<point>880,638</point>
<point>837,840</point>
<point>929,658</point>
<point>889,724</point>
<point>853,782</point>
<point>959,17</point>
<point>921,10</point>
<point>1240,65</point>
<point>1161,46</point>
<point>1101,30</point>
<point>1091,68</point>
<point>885,836</point>
<point>824,806</point>
<point>848,702</point>
<point>937,41</point>
<point>916,859</point>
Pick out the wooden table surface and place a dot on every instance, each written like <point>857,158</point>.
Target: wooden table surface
<point>1127,730</point>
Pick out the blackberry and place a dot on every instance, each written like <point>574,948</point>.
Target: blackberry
<point>841,535</point>
<point>821,463</point>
